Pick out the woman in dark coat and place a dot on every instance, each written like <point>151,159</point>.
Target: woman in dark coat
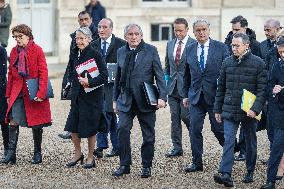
<point>88,73</point>
<point>3,101</point>
<point>27,61</point>
<point>276,97</point>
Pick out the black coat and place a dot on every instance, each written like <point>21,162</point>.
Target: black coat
<point>254,44</point>
<point>265,47</point>
<point>86,108</point>
<point>249,74</point>
<point>97,12</point>
<point>111,57</point>
<point>148,69</point>
<point>3,83</point>
<point>277,102</point>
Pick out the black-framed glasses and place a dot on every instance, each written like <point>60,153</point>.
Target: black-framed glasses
<point>18,36</point>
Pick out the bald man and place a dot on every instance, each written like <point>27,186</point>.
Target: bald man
<point>271,28</point>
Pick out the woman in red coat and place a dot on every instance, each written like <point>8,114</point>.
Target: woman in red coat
<point>27,61</point>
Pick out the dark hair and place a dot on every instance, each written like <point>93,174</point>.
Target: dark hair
<point>243,21</point>
<point>181,21</point>
<point>24,29</point>
<point>84,12</point>
<point>244,37</point>
<point>280,41</point>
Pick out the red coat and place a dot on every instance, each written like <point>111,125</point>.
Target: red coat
<point>36,112</point>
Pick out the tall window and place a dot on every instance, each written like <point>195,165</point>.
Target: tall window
<point>161,32</point>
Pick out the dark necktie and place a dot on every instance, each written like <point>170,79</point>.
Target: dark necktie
<point>201,58</point>
<point>104,48</point>
<point>178,53</point>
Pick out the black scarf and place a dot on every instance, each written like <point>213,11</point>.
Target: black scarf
<point>129,66</point>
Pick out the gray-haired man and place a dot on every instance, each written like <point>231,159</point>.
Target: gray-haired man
<point>137,62</point>
<point>203,63</point>
<point>242,70</point>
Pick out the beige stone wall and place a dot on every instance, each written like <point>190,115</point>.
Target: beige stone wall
<point>122,12</point>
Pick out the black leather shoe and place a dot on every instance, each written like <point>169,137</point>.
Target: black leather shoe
<point>90,165</point>
<point>248,178</point>
<point>145,172</point>
<point>122,170</point>
<point>240,157</point>
<point>98,153</point>
<point>268,185</point>
<point>174,153</point>
<point>193,168</point>
<point>66,135</point>
<point>224,178</point>
<point>112,153</point>
<point>73,163</point>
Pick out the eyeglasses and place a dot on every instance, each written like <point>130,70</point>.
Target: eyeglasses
<point>18,36</point>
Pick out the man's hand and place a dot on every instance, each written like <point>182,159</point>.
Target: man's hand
<point>84,81</point>
<point>277,89</point>
<point>161,103</point>
<point>251,114</point>
<point>8,99</point>
<point>114,107</point>
<point>185,102</point>
<point>218,118</point>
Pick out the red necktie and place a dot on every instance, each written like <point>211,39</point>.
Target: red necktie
<point>178,53</point>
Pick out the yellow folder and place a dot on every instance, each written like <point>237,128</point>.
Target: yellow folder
<point>247,101</point>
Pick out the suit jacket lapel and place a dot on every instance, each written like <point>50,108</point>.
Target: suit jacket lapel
<point>140,57</point>
<point>182,58</point>
<point>111,45</point>
<point>195,60</point>
<point>171,50</point>
<point>210,54</point>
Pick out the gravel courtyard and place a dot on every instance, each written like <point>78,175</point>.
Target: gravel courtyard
<point>166,173</point>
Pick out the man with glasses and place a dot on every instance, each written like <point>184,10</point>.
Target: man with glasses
<point>203,63</point>
<point>242,70</point>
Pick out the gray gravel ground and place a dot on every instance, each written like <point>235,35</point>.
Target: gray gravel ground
<point>166,173</point>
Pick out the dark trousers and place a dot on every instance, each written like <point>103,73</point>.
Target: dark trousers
<point>197,116</point>
<point>102,138</point>
<point>276,154</point>
<point>242,141</point>
<point>178,113</point>
<point>269,126</point>
<point>147,124</point>
<point>230,131</point>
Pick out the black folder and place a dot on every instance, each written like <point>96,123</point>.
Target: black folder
<point>111,68</point>
<point>151,93</point>
<point>32,85</point>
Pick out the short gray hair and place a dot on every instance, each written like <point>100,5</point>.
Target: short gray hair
<point>200,21</point>
<point>86,31</point>
<point>110,22</point>
<point>244,37</point>
<point>126,28</point>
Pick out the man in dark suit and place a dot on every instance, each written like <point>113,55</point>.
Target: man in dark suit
<point>84,20</point>
<point>271,29</point>
<point>138,62</point>
<point>108,44</point>
<point>174,72</point>
<point>204,60</point>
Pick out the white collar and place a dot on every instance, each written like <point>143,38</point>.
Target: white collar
<point>184,40</point>
<point>205,44</point>
<point>108,40</point>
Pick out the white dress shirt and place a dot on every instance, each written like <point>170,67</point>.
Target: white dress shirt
<point>182,45</point>
<point>206,48</point>
<point>108,41</point>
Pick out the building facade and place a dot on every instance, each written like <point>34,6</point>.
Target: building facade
<point>53,20</point>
